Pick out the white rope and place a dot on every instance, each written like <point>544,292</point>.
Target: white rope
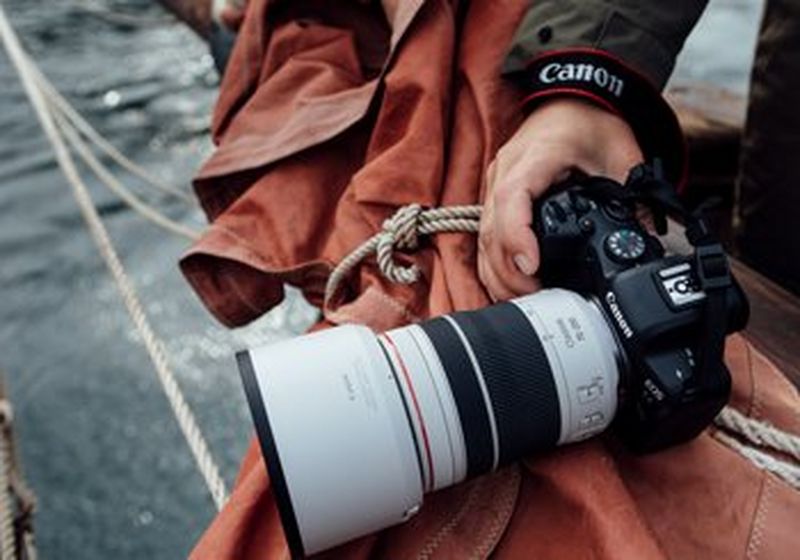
<point>186,420</point>
<point>17,502</point>
<point>59,102</point>
<point>8,541</point>
<point>788,472</point>
<point>401,231</point>
<point>113,184</point>
<point>759,433</point>
<point>71,123</point>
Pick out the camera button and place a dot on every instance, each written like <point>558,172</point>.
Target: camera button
<point>579,204</point>
<point>557,211</point>
<point>625,245</point>
<point>589,393</point>
<point>592,419</point>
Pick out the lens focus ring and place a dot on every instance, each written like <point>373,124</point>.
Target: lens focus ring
<point>518,376</point>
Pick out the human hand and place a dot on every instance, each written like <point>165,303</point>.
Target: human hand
<point>560,137</point>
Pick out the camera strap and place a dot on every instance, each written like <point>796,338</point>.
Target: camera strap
<point>710,264</point>
<point>646,185</point>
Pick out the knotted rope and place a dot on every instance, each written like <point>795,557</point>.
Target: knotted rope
<point>402,231</point>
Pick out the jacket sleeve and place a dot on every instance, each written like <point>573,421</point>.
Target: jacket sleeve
<point>647,34</point>
<point>616,53</point>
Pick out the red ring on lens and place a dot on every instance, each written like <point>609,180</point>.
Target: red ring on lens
<point>417,408</point>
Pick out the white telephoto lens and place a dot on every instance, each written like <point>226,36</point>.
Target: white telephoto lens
<point>335,435</point>
<point>355,427</point>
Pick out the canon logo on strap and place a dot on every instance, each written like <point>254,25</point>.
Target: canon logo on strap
<point>585,72</point>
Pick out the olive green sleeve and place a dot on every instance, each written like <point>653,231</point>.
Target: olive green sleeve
<point>645,34</point>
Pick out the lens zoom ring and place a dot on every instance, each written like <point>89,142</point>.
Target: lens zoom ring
<point>466,393</point>
<point>518,377</point>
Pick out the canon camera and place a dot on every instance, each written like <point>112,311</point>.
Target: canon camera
<point>356,426</point>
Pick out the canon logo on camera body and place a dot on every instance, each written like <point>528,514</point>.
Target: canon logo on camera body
<point>616,312</point>
<point>557,72</point>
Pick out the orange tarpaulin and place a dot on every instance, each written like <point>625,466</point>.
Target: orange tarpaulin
<point>331,116</point>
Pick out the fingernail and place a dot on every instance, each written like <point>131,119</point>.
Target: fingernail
<point>524,264</point>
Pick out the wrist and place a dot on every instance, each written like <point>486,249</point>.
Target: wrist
<point>604,81</point>
<point>582,136</point>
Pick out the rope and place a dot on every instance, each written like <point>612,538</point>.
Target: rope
<point>71,123</point>
<point>401,231</point>
<point>59,102</point>
<point>17,502</point>
<point>108,179</point>
<point>787,472</point>
<point>8,539</point>
<point>759,433</point>
<point>155,348</point>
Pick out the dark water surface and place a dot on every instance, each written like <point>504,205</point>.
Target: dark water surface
<point>100,446</point>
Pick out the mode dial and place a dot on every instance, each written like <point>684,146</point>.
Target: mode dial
<point>625,245</point>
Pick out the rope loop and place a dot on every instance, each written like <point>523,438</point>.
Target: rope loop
<point>401,231</point>
<point>401,228</point>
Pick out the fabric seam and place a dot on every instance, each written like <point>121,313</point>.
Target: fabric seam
<point>757,532</point>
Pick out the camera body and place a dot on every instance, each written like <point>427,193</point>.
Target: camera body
<point>593,244</point>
